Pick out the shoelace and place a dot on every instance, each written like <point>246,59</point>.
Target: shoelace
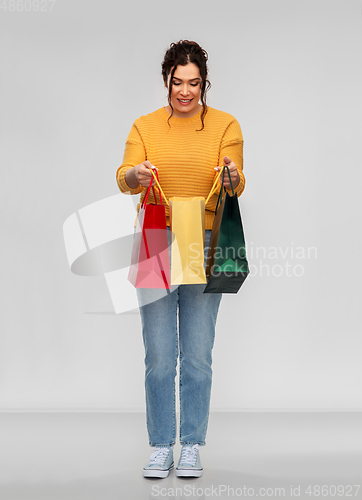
<point>189,454</point>
<point>159,456</point>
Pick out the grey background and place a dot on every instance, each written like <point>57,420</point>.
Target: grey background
<point>73,80</point>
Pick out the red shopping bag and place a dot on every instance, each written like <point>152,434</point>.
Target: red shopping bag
<point>150,262</point>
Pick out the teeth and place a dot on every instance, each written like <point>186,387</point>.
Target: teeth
<point>185,100</point>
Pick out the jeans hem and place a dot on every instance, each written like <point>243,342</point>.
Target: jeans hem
<point>201,443</point>
<point>161,445</point>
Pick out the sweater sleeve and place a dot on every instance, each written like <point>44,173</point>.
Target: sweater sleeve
<point>232,146</point>
<point>134,154</point>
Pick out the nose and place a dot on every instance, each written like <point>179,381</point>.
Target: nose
<point>185,89</point>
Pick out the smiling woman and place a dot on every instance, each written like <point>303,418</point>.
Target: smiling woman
<point>185,67</point>
<point>185,91</point>
<point>186,142</point>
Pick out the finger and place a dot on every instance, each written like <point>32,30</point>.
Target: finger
<point>227,160</point>
<point>145,173</point>
<point>149,165</point>
<point>148,176</point>
<point>226,181</point>
<point>146,183</point>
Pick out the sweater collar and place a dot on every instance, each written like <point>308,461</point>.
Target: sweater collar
<point>189,119</point>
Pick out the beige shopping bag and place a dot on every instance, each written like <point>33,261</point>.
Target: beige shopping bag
<point>187,217</point>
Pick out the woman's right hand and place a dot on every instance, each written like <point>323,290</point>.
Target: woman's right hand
<point>143,174</point>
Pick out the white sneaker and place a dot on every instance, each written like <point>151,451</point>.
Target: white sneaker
<point>189,464</point>
<point>160,463</point>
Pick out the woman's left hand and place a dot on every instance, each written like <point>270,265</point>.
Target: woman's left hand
<point>234,174</point>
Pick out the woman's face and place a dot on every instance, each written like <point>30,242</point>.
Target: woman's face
<point>186,90</point>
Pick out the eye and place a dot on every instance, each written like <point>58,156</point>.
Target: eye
<point>175,83</point>
<point>194,84</point>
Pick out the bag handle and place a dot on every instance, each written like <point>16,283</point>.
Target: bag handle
<point>158,185</point>
<point>222,187</point>
<point>148,192</point>
<point>214,187</point>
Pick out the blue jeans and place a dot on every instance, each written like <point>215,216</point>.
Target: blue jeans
<point>193,340</point>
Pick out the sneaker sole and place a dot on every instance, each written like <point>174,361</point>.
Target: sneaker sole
<point>188,472</point>
<point>157,472</point>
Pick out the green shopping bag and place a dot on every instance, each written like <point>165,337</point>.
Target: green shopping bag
<point>226,265</point>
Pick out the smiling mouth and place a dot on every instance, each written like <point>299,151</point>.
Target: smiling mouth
<point>185,100</point>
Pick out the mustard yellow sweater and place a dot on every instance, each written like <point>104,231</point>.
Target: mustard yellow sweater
<point>185,157</point>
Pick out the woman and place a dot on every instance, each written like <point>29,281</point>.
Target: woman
<point>187,142</point>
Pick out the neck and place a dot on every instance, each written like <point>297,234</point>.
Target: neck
<point>183,115</point>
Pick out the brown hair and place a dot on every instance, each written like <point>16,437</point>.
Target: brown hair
<point>182,53</point>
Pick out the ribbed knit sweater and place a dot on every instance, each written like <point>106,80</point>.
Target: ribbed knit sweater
<point>185,156</point>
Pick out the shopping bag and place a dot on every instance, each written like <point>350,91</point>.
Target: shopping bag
<point>226,265</point>
<point>150,262</point>
<point>187,216</point>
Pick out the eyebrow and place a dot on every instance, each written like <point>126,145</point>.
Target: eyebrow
<point>192,79</point>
